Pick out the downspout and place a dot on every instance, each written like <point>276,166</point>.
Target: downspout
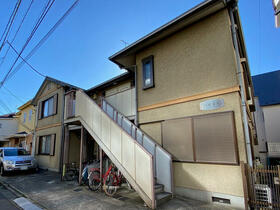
<point>242,88</point>
<point>62,135</point>
<point>136,97</point>
<point>128,68</point>
<point>34,132</point>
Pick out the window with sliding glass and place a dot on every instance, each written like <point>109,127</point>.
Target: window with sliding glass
<point>148,72</point>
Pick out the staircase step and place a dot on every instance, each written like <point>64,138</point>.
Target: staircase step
<point>158,188</point>
<point>162,197</point>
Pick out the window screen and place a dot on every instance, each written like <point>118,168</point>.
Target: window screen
<point>178,138</point>
<point>215,138</point>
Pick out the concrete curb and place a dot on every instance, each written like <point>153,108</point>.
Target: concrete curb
<point>19,193</point>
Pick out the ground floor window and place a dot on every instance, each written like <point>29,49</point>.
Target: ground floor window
<point>45,145</point>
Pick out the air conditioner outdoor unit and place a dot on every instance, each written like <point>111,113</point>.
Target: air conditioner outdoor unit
<point>263,193</point>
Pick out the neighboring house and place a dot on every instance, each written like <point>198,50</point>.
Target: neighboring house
<point>8,126</point>
<point>26,126</point>
<point>194,102</point>
<point>49,101</point>
<point>266,87</point>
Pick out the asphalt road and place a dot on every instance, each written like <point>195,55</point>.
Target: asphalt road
<point>5,204</point>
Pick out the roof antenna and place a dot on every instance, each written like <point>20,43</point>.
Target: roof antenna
<point>125,43</point>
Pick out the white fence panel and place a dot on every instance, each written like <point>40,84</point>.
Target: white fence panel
<point>144,171</point>
<point>105,130</point>
<point>128,154</point>
<point>116,141</point>
<point>96,124</point>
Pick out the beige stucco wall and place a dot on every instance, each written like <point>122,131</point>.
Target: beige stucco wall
<point>203,176</point>
<point>47,161</point>
<point>28,125</point>
<point>47,93</point>
<point>208,177</point>
<point>200,58</point>
<point>272,122</point>
<point>51,125</point>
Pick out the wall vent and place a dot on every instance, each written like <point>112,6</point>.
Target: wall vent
<point>220,200</point>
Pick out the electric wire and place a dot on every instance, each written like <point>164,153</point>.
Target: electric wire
<point>11,21</point>
<point>44,39</point>
<point>43,15</point>
<point>35,70</point>
<point>12,94</point>
<point>19,27</point>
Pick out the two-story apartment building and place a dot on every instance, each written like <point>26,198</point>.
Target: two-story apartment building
<point>49,102</point>
<point>194,97</point>
<point>193,124</point>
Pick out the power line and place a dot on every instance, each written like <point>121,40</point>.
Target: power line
<point>44,39</point>
<point>43,15</point>
<point>4,106</point>
<point>35,70</point>
<point>18,98</point>
<point>17,31</point>
<point>9,25</point>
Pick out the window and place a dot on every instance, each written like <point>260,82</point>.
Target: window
<point>45,145</point>
<point>24,117</point>
<point>48,107</point>
<point>206,139</point>
<point>148,72</point>
<point>30,115</point>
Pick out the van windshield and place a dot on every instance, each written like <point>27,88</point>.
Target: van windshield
<point>15,152</point>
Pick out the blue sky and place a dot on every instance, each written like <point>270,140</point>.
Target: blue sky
<point>77,52</point>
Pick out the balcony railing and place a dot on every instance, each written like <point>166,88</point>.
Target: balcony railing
<point>273,149</point>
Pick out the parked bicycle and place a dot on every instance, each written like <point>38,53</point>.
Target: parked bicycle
<point>71,172</point>
<point>112,179</point>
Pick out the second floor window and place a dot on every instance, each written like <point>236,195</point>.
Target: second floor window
<point>48,107</point>
<point>24,117</point>
<point>148,72</point>
<point>30,114</point>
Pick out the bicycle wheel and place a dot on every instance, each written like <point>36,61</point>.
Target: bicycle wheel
<point>69,176</point>
<point>94,180</point>
<point>110,186</point>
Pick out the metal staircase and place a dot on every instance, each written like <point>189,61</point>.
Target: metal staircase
<point>144,163</point>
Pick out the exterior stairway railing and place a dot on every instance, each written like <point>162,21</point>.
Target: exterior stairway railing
<point>162,159</point>
<point>142,161</point>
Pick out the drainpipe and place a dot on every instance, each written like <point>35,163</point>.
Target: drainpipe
<point>242,88</point>
<point>62,135</point>
<point>34,132</point>
<point>136,94</point>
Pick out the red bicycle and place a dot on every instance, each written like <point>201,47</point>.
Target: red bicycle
<point>112,180</point>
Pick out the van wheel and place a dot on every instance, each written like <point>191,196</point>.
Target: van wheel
<point>2,171</point>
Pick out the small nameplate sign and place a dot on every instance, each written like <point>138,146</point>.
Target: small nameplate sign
<point>212,104</point>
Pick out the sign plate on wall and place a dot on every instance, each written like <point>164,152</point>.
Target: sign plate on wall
<point>212,104</point>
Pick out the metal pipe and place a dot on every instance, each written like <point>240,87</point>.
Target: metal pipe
<point>136,96</point>
<point>242,88</point>
<point>62,134</point>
